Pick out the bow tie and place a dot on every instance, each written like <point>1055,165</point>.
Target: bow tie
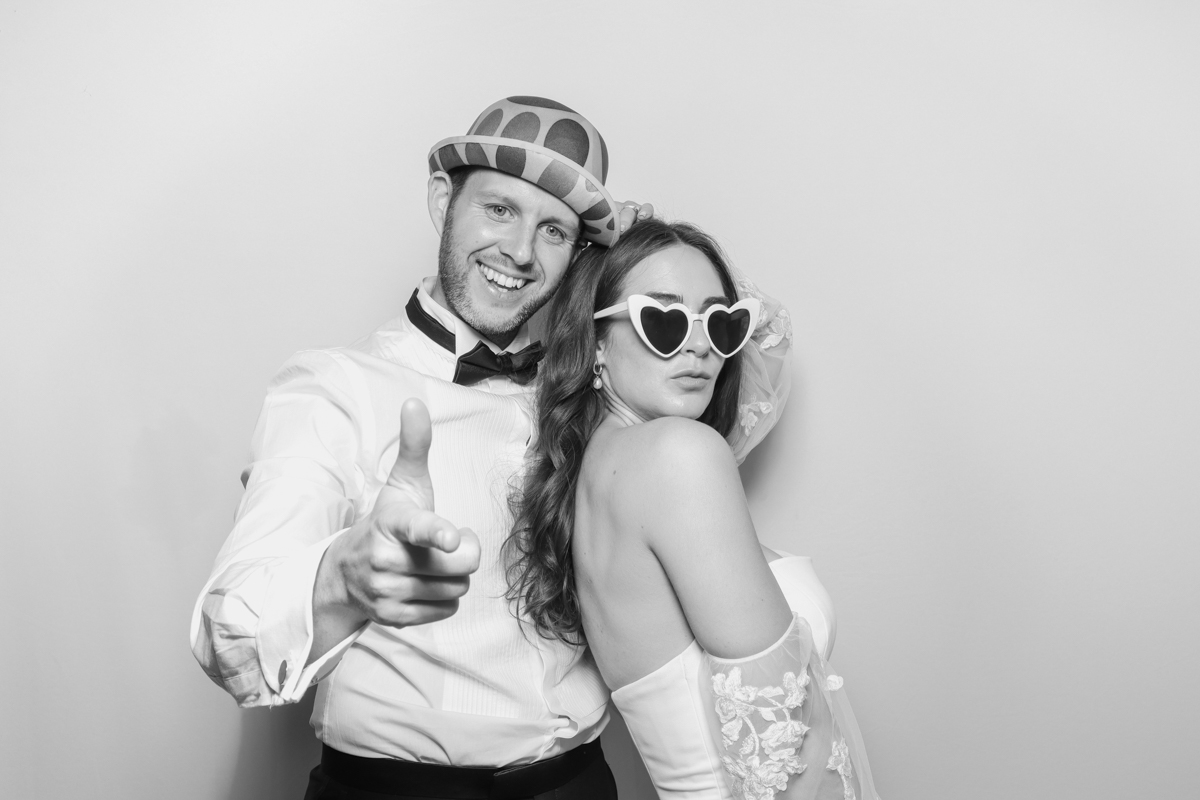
<point>480,362</point>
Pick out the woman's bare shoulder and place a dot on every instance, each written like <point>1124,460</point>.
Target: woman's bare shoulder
<point>679,443</point>
<point>668,467</point>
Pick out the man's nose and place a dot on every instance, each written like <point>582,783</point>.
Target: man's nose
<point>519,242</point>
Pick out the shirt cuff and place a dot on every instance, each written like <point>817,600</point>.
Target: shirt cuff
<point>285,629</point>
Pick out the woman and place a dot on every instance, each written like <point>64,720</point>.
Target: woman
<point>633,533</point>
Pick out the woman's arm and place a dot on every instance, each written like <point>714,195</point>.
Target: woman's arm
<point>686,498</point>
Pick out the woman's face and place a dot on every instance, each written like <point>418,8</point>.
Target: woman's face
<point>637,380</point>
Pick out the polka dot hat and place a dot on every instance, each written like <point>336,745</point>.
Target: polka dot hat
<point>547,144</point>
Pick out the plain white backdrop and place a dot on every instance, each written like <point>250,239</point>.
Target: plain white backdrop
<point>984,217</point>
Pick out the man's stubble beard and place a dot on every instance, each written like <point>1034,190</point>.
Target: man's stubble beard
<point>453,278</point>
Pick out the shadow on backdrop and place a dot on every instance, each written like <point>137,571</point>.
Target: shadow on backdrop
<point>278,749</point>
<point>622,756</point>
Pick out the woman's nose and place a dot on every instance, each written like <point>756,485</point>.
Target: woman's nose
<point>697,342</point>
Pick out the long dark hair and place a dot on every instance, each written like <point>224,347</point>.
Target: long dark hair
<point>541,573</point>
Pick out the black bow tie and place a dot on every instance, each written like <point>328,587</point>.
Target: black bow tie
<point>481,362</point>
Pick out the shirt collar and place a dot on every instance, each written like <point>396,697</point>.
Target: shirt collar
<point>465,337</point>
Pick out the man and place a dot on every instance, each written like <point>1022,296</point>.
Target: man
<point>337,559</point>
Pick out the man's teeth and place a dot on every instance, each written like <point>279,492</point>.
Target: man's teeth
<point>501,280</point>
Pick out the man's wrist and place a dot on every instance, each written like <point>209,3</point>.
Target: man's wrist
<point>331,596</point>
<point>335,616</point>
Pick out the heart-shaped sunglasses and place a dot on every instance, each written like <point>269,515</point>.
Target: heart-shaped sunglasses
<point>665,329</point>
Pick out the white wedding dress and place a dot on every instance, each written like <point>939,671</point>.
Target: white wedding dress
<point>775,724</point>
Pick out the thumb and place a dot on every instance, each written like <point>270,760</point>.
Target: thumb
<point>416,434</point>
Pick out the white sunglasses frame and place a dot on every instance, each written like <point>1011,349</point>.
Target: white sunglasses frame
<point>637,302</point>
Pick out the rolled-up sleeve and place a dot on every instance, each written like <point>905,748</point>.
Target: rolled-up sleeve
<point>252,624</point>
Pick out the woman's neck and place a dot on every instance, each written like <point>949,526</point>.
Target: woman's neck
<point>620,414</point>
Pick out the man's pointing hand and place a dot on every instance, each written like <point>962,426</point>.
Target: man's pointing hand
<point>401,565</point>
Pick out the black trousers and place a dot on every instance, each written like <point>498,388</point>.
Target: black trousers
<point>585,775</point>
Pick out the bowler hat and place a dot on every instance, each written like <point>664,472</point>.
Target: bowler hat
<point>547,144</point>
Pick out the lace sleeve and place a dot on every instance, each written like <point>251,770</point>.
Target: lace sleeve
<point>766,374</point>
<point>781,727</point>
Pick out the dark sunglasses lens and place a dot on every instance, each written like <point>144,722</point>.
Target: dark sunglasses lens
<point>728,330</point>
<point>666,330</point>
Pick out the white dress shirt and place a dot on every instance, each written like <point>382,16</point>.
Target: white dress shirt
<point>475,689</point>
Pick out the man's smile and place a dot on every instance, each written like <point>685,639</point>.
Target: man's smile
<point>499,280</point>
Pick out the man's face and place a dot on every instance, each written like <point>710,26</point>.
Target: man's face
<point>506,245</point>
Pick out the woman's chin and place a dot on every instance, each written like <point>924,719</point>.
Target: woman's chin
<point>688,408</point>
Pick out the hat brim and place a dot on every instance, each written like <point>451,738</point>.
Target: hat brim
<point>543,167</point>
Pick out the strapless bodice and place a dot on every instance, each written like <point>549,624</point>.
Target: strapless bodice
<point>665,710</point>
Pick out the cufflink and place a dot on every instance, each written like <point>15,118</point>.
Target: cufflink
<point>282,674</point>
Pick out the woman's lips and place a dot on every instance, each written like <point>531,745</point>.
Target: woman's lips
<point>693,373</point>
<point>692,379</point>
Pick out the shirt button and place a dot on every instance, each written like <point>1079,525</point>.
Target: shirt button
<point>282,673</point>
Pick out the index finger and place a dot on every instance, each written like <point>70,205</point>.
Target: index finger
<point>416,527</point>
<point>427,529</point>
<point>462,560</point>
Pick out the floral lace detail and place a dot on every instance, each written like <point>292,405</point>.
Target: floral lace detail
<point>840,762</point>
<point>778,327</point>
<point>748,414</point>
<point>773,328</point>
<point>768,757</point>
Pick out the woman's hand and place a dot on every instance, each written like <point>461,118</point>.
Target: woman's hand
<point>632,212</point>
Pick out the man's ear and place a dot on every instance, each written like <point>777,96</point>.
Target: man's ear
<point>581,246</point>
<point>440,190</point>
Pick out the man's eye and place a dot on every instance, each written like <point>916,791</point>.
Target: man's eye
<point>499,211</point>
<point>553,232</point>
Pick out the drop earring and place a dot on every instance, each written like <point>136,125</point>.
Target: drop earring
<point>597,368</point>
